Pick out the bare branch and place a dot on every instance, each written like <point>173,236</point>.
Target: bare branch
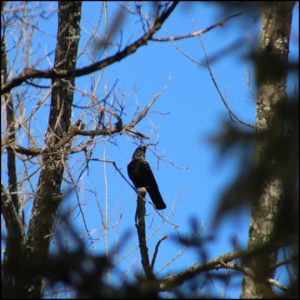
<point>141,230</point>
<point>54,73</point>
<point>10,131</point>
<point>76,129</point>
<point>156,250</point>
<point>144,112</point>
<point>175,280</point>
<point>277,284</point>
<point>196,33</point>
<point>232,115</point>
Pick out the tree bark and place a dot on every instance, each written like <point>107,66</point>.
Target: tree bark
<point>48,195</point>
<point>271,74</point>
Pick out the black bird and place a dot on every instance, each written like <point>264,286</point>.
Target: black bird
<point>140,173</point>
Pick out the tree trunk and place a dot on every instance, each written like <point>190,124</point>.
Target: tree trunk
<point>271,75</point>
<point>48,195</point>
<point>9,199</point>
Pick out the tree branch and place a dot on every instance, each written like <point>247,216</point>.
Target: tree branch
<point>232,115</point>
<point>196,33</point>
<point>77,129</point>
<point>10,132</point>
<point>130,49</point>
<point>156,250</point>
<point>141,230</point>
<point>175,280</point>
<point>11,217</point>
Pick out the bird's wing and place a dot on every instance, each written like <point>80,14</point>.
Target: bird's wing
<point>148,175</point>
<point>152,187</point>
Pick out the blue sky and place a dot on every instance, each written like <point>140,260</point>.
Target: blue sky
<point>188,111</point>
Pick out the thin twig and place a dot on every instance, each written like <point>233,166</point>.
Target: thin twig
<point>232,115</point>
<point>116,167</point>
<point>196,33</point>
<point>156,250</point>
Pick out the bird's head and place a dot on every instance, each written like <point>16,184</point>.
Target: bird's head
<point>139,152</point>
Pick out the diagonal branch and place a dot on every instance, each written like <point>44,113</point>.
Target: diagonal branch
<point>130,49</point>
<point>11,218</point>
<point>175,280</point>
<point>156,250</point>
<point>76,129</point>
<point>143,113</point>
<point>232,115</point>
<point>195,33</point>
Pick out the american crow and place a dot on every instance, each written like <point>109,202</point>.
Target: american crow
<point>140,173</point>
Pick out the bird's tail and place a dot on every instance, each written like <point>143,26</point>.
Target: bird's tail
<point>156,198</point>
